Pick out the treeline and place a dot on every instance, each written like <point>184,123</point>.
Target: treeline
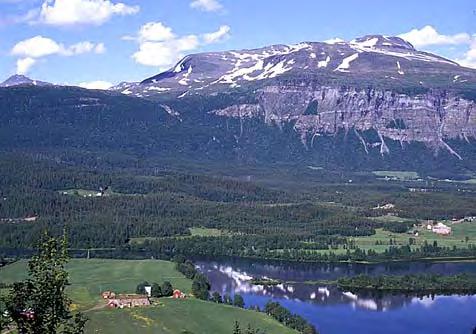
<point>418,283</point>
<point>275,247</point>
<point>284,316</point>
<point>200,283</point>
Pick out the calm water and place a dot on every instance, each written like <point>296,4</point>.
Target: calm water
<point>333,311</point>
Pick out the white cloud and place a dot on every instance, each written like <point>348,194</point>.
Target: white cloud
<point>70,12</point>
<point>334,40</point>
<point>96,85</point>
<point>155,32</point>
<point>221,34</point>
<point>31,49</point>
<point>469,58</point>
<point>83,47</point>
<point>162,54</point>
<point>207,5</point>
<point>428,35</point>
<point>35,47</point>
<point>160,47</point>
<point>24,65</point>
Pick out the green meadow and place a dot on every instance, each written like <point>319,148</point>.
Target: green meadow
<point>180,316</point>
<point>90,277</point>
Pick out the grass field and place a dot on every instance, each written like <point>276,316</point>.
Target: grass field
<point>180,316</point>
<point>206,232</point>
<point>397,175</point>
<point>90,277</point>
<point>457,238</point>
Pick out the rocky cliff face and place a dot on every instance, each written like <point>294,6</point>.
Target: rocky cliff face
<point>430,118</point>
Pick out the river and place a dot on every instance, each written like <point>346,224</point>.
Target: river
<point>339,312</point>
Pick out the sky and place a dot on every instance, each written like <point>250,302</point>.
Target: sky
<point>99,43</point>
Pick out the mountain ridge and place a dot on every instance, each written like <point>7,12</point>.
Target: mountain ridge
<point>385,58</point>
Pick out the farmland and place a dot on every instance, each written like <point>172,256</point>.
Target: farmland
<point>90,277</point>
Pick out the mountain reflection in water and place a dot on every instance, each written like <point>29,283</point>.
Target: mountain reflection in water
<point>335,311</point>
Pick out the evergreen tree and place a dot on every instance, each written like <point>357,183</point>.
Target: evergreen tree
<point>216,297</point>
<point>140,289</point>
<point>167,289</point>
<point>227,299</point>
<point>200,287</point>
<point>238,301</point>
<point>156,291</point>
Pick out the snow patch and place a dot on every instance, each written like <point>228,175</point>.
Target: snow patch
<point>370,43</point>
<point>399,68</point>
<point>184,81</point>
<point>324,63</point>
<point>344,66</point>
<point>159,89</point>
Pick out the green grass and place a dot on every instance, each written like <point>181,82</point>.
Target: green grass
<point>90,277</point>
<point>457,238</point>
<point>390,218</point>
<point>180,316</point>
<point>398,175</point>
<point>206,232</point>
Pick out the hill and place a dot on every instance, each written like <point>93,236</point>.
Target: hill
<point>90,277</point>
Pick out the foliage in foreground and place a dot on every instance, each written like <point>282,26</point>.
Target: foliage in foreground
<point>39,304</point>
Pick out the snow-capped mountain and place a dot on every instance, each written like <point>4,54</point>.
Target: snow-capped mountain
<point>389,60</point>
<point>21,80</point>
<point>374,84</point>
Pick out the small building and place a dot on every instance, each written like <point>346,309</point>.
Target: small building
<point>441,229</point>
<point>129,300</point>
<point>30,218</point>
<point>108,295</point>
<point>148,290</point>
<point>178,294</point>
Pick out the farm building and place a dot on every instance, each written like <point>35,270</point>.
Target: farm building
<point>178,294</point>
<point>442,229</point>
<point>122,301</point>
<point>108,295</point>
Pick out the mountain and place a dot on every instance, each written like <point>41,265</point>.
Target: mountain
<point>375,59</point>
<point>374,103</point>
<point>374,83</point>
<point>21,80</point>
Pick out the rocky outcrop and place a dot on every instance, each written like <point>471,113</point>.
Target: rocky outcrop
<point>431,118</point>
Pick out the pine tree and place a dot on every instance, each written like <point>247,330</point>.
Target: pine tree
<point>238,301</point>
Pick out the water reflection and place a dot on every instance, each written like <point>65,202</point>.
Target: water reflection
<point>357,313</point>
<point>228,280</point>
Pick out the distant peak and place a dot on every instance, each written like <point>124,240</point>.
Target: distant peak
<point>19,79</point>
<point>380,41</point>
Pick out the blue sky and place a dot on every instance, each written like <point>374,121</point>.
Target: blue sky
<point>85,41</point>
